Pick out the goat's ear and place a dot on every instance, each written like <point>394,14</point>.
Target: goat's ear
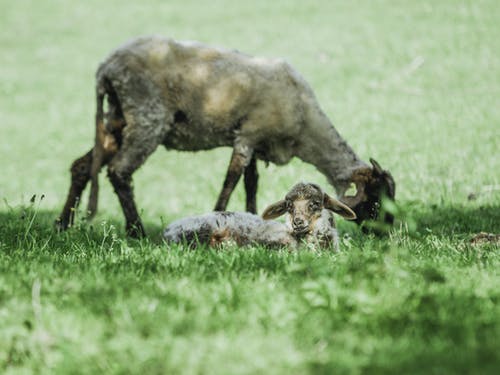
<point>376,167</point>
<point>274,210</point>
<point>338,207</point>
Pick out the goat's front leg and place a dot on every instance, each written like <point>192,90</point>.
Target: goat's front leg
<point>241,157</point>
<point>80,175</point>
<point>251,178</point>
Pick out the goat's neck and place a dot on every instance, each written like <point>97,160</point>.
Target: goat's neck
<point>322,146</point>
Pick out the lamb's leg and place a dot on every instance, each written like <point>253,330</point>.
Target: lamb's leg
<point>80,175</point>
<point>251,178</point>
<point>241,157</point>
<point>132,154</point>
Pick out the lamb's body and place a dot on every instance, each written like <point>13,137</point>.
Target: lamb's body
<point>241,227</point>
<point>309,219</point>
<point>188,96</point>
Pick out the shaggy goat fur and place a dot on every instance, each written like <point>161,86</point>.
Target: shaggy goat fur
<point>188,96</point>
<point>309,219</point>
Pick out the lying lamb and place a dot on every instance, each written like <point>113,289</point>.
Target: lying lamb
<point>309,219</point>
<point>189,96</point>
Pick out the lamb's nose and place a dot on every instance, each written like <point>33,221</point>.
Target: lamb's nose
<point>298,222</point>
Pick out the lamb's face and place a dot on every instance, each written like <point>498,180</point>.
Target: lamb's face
<point>304,204</point>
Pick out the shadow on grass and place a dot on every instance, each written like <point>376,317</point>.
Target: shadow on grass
<point>29,222</point>
<point>448,220</point>
<point>22,225</point>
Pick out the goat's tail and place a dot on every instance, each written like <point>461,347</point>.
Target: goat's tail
<point>98,150</point>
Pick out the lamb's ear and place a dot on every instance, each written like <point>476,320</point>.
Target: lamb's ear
<point>274,210</point>
<point>338,207</point>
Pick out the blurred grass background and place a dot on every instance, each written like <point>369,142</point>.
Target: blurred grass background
<point>416,85</point>
<point>413,84</point>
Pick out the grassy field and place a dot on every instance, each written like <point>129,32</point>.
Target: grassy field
<point>415,84</point>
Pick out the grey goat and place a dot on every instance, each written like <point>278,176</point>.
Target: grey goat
<point>189,96</point>
<point>309,219</point>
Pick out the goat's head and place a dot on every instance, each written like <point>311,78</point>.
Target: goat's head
<point>372,184</point>
<point>304,204</point>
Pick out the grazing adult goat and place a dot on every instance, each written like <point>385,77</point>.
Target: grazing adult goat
<point>188,96</point>
<point>309,219</point>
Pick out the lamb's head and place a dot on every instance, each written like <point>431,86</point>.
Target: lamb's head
<point>304,204</point>
<point>372,184</point>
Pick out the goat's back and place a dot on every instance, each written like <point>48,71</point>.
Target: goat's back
<point>204,96</point>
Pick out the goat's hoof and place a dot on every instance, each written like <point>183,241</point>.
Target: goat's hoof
<point>60,225</point>
<point>136,231</point>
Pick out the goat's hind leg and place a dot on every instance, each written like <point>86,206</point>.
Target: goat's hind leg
<point>80,176</point>
<point>133,153</point>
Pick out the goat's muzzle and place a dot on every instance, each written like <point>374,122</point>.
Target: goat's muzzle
<point>376,186</point>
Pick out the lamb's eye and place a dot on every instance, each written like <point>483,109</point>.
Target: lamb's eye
<point>314,206</point>
<point>288,206</point>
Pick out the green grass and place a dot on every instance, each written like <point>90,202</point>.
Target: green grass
<point>413,84</point>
